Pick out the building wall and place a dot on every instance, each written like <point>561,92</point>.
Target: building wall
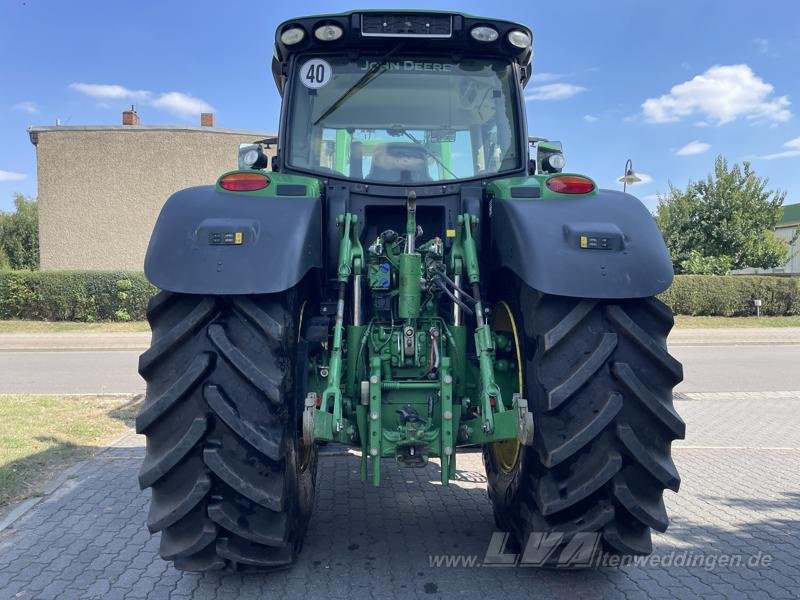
<point>792,266</point>
<point>100,190</point>
<point>788,232</point>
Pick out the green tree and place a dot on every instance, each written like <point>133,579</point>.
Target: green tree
<point>697,264</point>
<point>723,222</point>
<point>19,235</point>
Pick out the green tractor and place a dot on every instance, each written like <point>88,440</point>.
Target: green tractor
<point>408,278</point>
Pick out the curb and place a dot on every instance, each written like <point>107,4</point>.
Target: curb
<point>133,348</point>
<point>140,341</point>
<point>51,486</point>
<point>733,344</point>
<point>74,341</point>
<point>699,396</point>
<point>25,506</point>
<point>735,336</point>
<point>19,510</point>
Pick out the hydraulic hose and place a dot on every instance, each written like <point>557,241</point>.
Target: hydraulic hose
<point>452,297</point>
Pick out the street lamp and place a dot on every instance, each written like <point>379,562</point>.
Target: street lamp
<point>629,176</point>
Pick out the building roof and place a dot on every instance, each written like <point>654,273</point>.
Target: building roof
<point>791,215</point>
<point>37,129</point>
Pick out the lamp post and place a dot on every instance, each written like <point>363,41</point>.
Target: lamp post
<point>629,176</point>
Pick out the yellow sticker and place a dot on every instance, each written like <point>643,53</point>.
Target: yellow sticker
<point>584,241</point>
<point>238,237</point>
<point>451,233</point>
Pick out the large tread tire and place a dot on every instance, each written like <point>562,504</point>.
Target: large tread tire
<point>232,486</point>
<point>599,380</point>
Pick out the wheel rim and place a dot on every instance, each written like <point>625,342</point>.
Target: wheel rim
<point>304,451</point>
<point>506,453</point>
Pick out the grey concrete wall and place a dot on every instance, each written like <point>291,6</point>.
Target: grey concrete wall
<point>788,233</point>
<point>792,266</point>
<point>100,190</point>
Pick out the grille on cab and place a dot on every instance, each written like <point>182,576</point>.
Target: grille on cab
<point>406,25</point>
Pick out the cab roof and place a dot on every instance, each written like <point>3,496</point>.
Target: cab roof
<point>374,31</point>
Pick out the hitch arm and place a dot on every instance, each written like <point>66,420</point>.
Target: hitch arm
<point>484,343</point>
<point>351,259</point>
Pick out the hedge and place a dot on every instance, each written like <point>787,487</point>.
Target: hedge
<point>733,295</point>
<point>123,296</point>
<point>74,295</point>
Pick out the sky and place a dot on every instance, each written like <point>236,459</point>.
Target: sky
<point>669,85</point>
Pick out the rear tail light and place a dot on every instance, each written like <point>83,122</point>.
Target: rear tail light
<point>570,184</point>
<point>244,182</point>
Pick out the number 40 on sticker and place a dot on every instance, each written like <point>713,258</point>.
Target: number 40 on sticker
<point>315,73</point>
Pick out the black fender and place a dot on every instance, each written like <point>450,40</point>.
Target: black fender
<point>210,242</point>
<point>606,245</point>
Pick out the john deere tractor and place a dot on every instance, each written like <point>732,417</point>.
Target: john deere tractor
<point>408,274</point>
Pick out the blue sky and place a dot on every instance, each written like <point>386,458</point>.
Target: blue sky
<point>667,84</point>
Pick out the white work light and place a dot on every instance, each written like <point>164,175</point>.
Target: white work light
<point>556,161</point>
<point>328,33</point>
<point>519,38</point>
<point>251,157</point>
<point>293,35</point>
<point>484,33</point>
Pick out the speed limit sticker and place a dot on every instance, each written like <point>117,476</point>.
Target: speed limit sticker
<point>315,73</point>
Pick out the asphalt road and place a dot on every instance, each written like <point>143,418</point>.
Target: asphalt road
<point>739,368</point>
<point>67,372</point>
<point>706,368</point>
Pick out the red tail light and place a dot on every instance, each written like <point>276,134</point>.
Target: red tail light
<point>244,182</point>
<point>570,184</point>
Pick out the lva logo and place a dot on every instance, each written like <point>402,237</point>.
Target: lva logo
<point>553,549</point>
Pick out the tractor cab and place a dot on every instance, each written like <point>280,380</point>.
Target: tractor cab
<point>402,98</point>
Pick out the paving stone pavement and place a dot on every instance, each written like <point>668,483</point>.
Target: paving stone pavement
<point>738,498</point>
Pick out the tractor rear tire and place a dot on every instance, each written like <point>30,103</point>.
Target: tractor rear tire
<point>232,484</point>
<point>599,380</point>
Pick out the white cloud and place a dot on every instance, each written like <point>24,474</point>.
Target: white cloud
<point>554,91</point>
<point>644,177</point>
<point>793,150</point>
<point>722,94</point>
<point>546,77</point>
<point>764,47</point>
<point>177,103</point>
<point>11,176</point>
<point>695,147</point>
<point>26,106</point>
<point>102,91</point>
<point>590,118</point>
<point>182,105</point>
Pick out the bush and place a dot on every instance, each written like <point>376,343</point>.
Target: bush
<point>733,295</point>
<point>123,296</point>
<point>74,295</point>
